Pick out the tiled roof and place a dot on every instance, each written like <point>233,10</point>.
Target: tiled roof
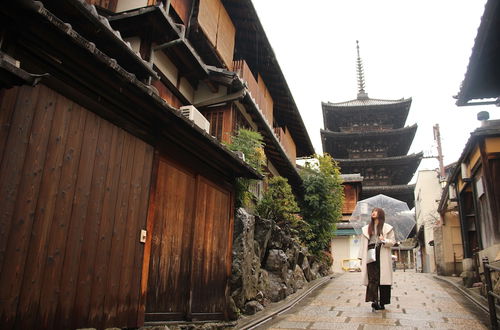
<point>351,177</point>
<point>366,102</point>
<point>386,161</point>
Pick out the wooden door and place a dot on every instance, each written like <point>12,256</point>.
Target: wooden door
<point>170,261</point>
<point>211,251</point>
<point>191,246</point>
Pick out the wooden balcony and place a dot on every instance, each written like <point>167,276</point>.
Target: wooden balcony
<point>264,101</point>
<point>257,88</point>
<point>286,140</point>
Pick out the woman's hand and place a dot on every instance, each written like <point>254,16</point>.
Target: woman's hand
<point>381,238</point>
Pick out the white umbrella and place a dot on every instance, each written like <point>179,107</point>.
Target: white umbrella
<point>397,214</point>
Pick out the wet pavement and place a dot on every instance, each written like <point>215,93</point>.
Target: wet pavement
<point>418,301</point>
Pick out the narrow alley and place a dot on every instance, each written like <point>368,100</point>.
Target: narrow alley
<point>418,301</point>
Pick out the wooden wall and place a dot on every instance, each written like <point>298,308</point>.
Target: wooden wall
<point>217,26</point>
<point>351,196</point>
<point>74,193</point>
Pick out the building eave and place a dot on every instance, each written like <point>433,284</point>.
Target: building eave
<point>482,79</point>
<point>250,29</point>
<point>84,69</point>
<point>91,25</point>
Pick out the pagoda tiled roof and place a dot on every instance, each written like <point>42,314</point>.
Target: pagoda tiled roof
<point>391,112</point>
<point>371,133</point>
<point>363,102</point>
<point>402,192</point>
<point>336,143</point>
<point>402,167</point>
<point>398,160</point>
<point>351,178</point>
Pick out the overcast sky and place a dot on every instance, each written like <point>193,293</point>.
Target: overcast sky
<point>417,49</point>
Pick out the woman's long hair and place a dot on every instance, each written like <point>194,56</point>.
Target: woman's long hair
<point>381,221</point>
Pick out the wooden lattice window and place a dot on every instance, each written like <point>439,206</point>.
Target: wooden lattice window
<point>216,119</point>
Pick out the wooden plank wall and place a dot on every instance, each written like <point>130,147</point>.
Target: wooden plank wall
<point>350,198</point>
<point>166,94</point>
<point>169,271</point>
<point>226,35</point>
<point>74,193</point>
<point>208,18</point>
<point>211,260</point>
<point>265,100</point>
<point>217,26</point>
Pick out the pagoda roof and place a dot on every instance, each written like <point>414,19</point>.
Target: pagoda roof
<point>364,102</point>
<point>402,192</point>
<point>335,143</point>
<point>344,114</point>
<point>398,160</point>
<point>351,177</point>
<point>402,167</point>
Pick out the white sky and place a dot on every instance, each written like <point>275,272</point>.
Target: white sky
<point>417,48</point>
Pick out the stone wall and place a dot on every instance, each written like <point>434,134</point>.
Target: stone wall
<point>268,264</point>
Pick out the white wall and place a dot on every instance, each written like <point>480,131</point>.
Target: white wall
<point>427,194</point>
<point>344,247</point>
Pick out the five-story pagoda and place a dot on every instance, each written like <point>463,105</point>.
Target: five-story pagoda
<point>368,137</point>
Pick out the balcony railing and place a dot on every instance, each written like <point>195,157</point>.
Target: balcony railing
<point>258,89</point>
<point>264,101</point>
<point>286,141</point>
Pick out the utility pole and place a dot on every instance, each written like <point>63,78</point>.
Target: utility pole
<point>437,138</point>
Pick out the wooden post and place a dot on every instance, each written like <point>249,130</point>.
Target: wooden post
<point>489,290</point>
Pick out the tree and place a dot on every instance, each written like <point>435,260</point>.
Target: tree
<point>322,203</point>
<point>251,144</point>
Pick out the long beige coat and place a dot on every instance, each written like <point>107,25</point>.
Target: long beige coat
<point>385,254</point>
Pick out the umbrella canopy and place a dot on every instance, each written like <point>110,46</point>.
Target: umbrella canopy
<point>397,214</point>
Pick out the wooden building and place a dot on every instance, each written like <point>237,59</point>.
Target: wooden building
<point>345,245</point>
<point>367,136</point>
<point>448,234</point>
<point>234,80</point>
<point>476,177</point>
<point>475,184</point>
<point>117,198</point>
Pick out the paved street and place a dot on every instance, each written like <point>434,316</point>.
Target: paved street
<point>418,302</point>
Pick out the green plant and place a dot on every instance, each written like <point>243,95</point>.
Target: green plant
<point>251,144</point>
<point>322,203</point>
<point>278,204</point>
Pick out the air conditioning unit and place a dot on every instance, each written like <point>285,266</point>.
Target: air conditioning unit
<point>191,113</point>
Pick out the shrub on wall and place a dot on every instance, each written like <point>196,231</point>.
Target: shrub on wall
<point>251,144</point>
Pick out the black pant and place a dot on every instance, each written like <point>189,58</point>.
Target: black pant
<point>373,288</point>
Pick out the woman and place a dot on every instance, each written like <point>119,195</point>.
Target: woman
<point>377,275</point>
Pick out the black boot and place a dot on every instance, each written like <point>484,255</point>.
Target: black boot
<point>375,306</point>
<point>382,306</point>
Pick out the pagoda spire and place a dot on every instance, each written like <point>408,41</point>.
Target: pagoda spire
<point>361,76</point>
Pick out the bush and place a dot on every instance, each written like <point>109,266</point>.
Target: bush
<point>322,203</point>
<point>252,145</point>
<point>278,203</point>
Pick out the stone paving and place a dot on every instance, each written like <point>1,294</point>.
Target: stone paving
<point>418,301</point>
